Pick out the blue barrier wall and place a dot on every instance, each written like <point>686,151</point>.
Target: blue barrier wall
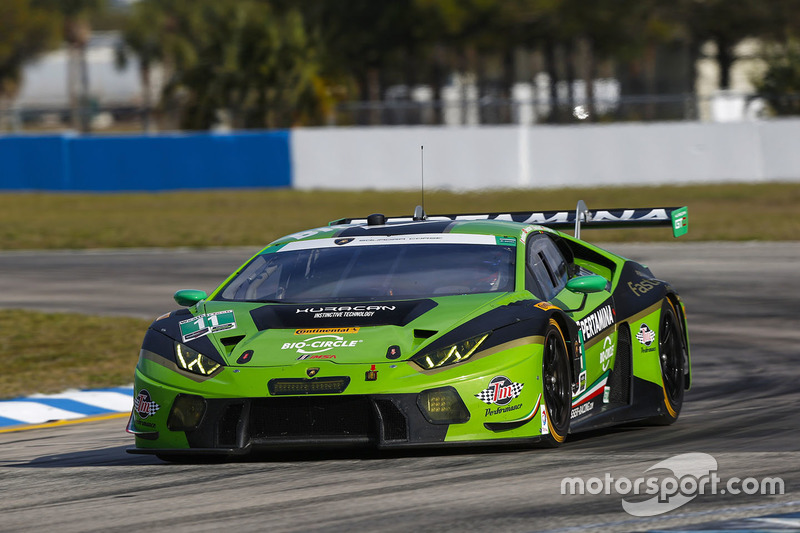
<point>145,162</point>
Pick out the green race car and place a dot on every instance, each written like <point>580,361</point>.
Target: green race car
<point>417,331</point>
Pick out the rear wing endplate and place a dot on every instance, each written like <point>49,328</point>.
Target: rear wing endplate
<point>582,217</point>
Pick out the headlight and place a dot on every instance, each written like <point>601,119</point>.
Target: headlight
<point>455,353</point>
<point>193,361</point>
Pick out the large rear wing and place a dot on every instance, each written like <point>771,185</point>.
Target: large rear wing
<point>582,217</point>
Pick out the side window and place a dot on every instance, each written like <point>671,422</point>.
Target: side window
<point>547,268</point>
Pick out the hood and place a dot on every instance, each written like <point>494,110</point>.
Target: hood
<point>374,332</point>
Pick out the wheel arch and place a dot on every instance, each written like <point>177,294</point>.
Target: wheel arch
<point>574,349</point>
<point>677,304</point>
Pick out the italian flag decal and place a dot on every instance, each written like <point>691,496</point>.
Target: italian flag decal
<point>594,390</point>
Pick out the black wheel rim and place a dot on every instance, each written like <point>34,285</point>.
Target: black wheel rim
<point>557,392</point>
<point>671,355</point>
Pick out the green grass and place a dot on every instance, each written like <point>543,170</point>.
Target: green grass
<point>52,352</point>
<point>255,217</point>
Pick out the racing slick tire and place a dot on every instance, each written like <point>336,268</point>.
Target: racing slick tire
<point>672,357</point>
<point>556,385</point>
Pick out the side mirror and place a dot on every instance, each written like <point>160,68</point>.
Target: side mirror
<point>187,297</point>
<point>587,284</point>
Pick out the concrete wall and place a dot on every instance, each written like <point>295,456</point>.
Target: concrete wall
<point>462,158</point>
<point>390,158</point>
<point>546,156</point>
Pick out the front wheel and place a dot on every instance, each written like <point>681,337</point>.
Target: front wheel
<point>556,386</point>
<point>671,358</point>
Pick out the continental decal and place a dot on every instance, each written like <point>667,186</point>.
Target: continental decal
<point>545,306</point>
<point>597,322</point>
<point>324,331</point>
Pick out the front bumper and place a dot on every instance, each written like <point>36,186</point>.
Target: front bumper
<point>252,424</point>
<point>240,413</point>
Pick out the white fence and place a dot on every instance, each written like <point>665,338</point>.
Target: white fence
<point>469,158</point>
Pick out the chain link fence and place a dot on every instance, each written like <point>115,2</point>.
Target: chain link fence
<point>486,110</point>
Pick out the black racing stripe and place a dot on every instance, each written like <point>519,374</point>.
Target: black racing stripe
<point>158,343</point>
<point>411,228</point>
<point>637,290</point>
<point>509,322</point>
<point>169,327</point>
<point>394,313</point>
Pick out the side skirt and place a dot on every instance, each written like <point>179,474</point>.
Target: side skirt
<point>647,399</point>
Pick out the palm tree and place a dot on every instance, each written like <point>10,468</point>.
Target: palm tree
<point>25,32</point>
<point>77,30</point>
<point>142,36</point>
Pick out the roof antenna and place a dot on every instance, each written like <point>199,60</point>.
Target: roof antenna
<point>419,211</point>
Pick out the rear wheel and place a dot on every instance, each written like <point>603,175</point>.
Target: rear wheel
<point>671,358</point>
<point>556,386</point>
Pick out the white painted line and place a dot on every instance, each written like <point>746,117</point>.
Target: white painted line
<point>113,401</point>
<point>34,413</point>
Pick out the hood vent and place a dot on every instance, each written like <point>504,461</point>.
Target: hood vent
<point>230,343</point>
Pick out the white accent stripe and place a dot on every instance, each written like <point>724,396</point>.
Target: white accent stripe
<point>426,238</point>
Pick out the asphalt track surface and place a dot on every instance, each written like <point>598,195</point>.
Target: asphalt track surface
<point>743,307</point>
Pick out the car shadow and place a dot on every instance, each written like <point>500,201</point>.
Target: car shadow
<point>100,457</point>
<point>119,456</point>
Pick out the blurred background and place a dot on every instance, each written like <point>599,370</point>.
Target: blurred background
<point>164,65</point>
<point>520,105</point>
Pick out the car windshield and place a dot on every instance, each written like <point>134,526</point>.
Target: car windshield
<point>340,270</point>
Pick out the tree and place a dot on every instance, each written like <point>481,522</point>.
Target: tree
<point>723,22</point>
<point>363,40</point>
<point>781,84</point>
<point>141,36</point>
<point>25,32</point>
<point>239,62</point>
<point>75,16</point>
<point>460,32</point>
